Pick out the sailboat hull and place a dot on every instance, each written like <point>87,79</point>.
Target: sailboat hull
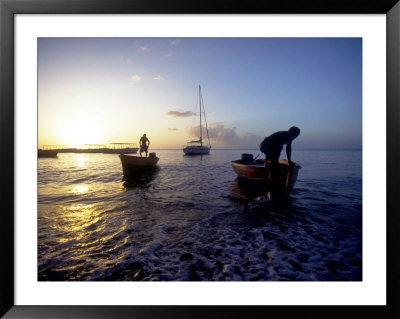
<point>196,150</point>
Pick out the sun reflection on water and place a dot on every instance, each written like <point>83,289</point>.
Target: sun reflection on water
<point>80,160</point>
<point>80,189</point>
<point>78,218</point>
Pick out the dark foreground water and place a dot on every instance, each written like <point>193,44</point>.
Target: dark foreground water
<point>193,220</point>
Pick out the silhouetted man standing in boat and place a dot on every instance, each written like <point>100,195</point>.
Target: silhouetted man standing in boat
<point>144,144</point>
<point>272,145</point>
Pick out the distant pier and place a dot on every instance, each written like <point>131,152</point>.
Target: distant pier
<point>113,148</point>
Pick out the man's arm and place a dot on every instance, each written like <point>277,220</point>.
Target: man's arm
<point>289,151</point>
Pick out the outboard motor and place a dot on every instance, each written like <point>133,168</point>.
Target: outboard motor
<point>152,154</point>
<point>246,158</point>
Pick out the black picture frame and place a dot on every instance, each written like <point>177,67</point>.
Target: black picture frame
<point>8,8</point>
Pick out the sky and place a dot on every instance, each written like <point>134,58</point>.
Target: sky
<point>109,90</point>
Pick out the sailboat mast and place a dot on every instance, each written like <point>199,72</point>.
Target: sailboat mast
<point>205,120</point>
<point>201,137</point>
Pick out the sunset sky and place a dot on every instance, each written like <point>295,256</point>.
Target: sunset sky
<point>105,90</point>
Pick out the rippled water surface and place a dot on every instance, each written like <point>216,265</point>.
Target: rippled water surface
<point>193,220</point>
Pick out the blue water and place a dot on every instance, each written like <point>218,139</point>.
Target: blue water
<point>192,220</point>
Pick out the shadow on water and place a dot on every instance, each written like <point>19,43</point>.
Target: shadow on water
<point>195,158</point>
<point>196,155</point>
<point>248,190</point>
<point>139,178</point>
<point>264,193</point>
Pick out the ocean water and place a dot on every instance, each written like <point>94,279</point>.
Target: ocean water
<point>193,220</point>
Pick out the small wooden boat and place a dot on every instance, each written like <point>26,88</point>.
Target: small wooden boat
<point>129,161</point>
<point>47,153</point>
<point>282,178</point>
<point>139,171</point>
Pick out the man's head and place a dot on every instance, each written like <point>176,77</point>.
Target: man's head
<point>144,135</point>
<point>294,131</point>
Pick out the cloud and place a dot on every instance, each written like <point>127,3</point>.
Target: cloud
<point>227,137</point>
<point>159,78</point>
<point>217,131</point>
<point>172,129</point>
<point>168,55</point>
<point>180,114</point>
<point>174,42</point>
<point>143,48</point>
<point>136,77</point>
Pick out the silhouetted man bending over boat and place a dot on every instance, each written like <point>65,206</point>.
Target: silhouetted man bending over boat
<point>144,144</point>
<point>272,145</point>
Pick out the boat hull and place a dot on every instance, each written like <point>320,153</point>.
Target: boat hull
<point>47,153</point>
<point>138,170</point>
<point>196,150</point>
<point>137,161</point>
<point>283,178</point>
<point>254,170</point>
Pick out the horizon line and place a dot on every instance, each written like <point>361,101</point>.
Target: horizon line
<point>249,149</point>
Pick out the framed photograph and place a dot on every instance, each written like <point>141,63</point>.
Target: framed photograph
<point>174,159</point>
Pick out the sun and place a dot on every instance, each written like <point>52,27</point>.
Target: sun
<point>79,132</point>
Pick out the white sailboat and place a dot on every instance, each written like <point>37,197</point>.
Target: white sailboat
<point>197,147</point>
